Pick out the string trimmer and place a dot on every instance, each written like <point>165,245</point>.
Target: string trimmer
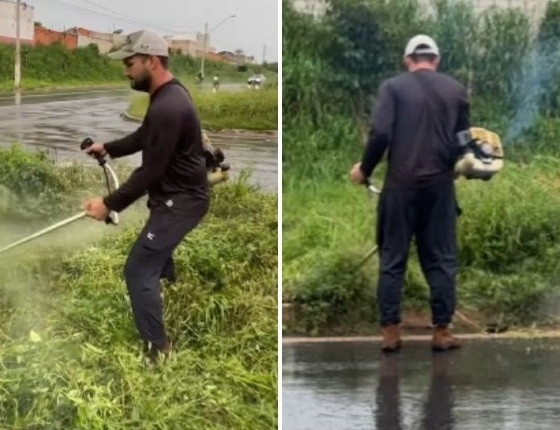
<point>113,217</point>
<point>373,191</point>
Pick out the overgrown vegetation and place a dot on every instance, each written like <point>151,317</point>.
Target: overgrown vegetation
<point>187,67</point>
<point>32,187</point>
<point>332,68</point>
<point>55,66</point>
<point>69,353</point>
<point>44,66</point>
<point>249,110</point>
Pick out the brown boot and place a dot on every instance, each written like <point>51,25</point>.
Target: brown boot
<point>443,340</point>
<point>391,338</point>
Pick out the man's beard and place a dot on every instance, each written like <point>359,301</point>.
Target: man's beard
<point>142,83</point>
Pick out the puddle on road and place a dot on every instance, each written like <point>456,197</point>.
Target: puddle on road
<point>494,384</point>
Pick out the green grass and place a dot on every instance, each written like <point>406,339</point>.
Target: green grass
<point>69,352</point>
<point>509,244</point>
<point>248,109</point>
<point>54,67</point>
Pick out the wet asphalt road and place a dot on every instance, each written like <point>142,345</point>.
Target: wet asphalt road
<point>487,385</point>
<point>58,123</point>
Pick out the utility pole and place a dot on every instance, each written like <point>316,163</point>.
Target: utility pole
<point>17,72</point>
<point>203,49</point>
<point>206,33</point>
<point>264,54</point>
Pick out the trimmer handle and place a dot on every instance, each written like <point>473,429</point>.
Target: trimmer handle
<point>113,217</point>
<point>371,188</point>
<point>86,143</point>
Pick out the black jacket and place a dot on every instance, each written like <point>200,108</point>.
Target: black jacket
<point>416,118</point>
<point>172,152</point>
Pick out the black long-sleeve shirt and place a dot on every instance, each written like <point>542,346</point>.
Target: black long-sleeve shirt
<point>172,152</point>
<point>416,118</point>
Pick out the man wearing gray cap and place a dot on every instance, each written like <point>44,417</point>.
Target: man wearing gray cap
<point>172,173</point>
<point>417,116</point>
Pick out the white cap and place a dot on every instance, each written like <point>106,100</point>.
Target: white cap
<point>142,42</point>
<point>421,39</point>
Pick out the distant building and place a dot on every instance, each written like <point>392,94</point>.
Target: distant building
<point>105,42</point>
<point>183,44</point>
<point>236,58</point>
<point>32,33</point>
<point>317,8</point>
<point>534,9</point>
<point>216,57</point>
<point>228,57</point>
<point>44,36</point>
<point>200,44</point>
<point>191,45</point>
<point>8,23</point>
<point>78,37</point>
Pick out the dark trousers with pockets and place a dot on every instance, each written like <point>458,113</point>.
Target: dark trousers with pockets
<point>430,214</point>
<point>151,259</point>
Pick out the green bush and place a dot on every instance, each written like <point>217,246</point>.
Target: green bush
<point>33,188</point>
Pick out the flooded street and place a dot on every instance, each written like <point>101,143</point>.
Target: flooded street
<point>58,123</point>
<point>487,385</point>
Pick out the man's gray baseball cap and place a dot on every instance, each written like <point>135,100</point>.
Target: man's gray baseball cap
<point>421,44</point>
<point>142,42</point>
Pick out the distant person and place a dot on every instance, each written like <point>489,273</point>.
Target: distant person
<point>417,118</point>
<point>173,174</point>
<point>215,84</point>
<point>199,79</point>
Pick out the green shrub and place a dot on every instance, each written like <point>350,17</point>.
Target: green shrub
<point>33,188</point>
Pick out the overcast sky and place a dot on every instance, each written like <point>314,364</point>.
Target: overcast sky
<point>255,23</point>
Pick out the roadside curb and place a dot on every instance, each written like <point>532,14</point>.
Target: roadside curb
<point>425,338</point>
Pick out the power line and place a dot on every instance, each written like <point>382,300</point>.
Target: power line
<point>104,8</point>
<point>120,14</point>
<point>123,17</point>
<point>114,16</point>
<point>75,8</point>
<point>175,27</point>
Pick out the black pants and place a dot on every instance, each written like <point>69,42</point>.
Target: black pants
<point>430,214</point>
<point>151,258</point>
